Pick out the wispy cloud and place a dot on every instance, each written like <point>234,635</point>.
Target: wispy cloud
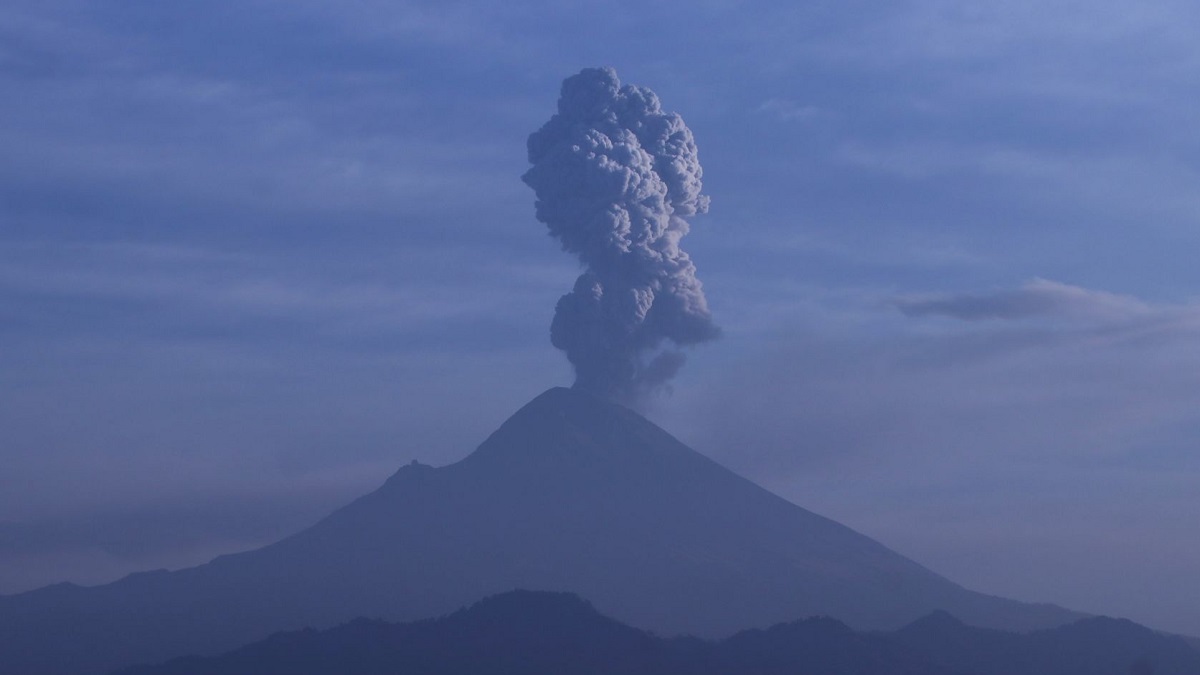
<point>1038,298</point>
<point>222,286</point>
<point>788,111</point>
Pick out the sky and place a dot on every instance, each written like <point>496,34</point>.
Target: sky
<point>256,255</point>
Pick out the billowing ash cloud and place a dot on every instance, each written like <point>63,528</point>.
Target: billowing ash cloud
<point>615,176</point>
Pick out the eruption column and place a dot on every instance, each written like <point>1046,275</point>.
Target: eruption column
<point>615,176</point>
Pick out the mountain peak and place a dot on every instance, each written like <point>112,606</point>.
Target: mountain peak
<point>513,605</point>
<point>575,404</point>
<point>939,620</point>
<point>564,424</point>
<point>562,395</point>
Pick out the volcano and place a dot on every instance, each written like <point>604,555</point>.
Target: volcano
<point>572,493</point>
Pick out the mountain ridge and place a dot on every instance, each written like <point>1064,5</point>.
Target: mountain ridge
<point>545,632</point>
<point>536,632</point>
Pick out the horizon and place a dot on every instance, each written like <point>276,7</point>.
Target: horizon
<point>256,257</point>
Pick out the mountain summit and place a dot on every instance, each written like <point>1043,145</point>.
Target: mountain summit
<point>572,493</point>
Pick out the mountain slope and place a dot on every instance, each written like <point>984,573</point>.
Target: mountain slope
<point>572,493</point>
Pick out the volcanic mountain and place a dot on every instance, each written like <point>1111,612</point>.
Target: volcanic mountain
<point>572,493</point>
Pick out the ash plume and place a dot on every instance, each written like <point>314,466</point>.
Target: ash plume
<point>615,176</point>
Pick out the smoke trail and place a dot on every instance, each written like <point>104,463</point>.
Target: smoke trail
<point>614,177</point>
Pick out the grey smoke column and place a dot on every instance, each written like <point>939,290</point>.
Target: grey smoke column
<point>615,176</point>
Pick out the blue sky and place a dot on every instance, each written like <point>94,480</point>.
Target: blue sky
<point>255,255</point>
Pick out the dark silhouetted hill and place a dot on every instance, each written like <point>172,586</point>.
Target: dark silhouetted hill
<point>551,634</point>
<point>1091,646</point>
<point>539,633</point>
<point>572,493</point>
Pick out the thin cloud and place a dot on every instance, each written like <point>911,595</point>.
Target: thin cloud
<point>789,111</point>
<point>1038,298</point>
<point>203,284</point>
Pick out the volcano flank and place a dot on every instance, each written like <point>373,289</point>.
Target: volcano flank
<point>572,493</point>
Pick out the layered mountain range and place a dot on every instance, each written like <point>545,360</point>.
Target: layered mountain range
<point>538,633</point>
<point>572,493</point>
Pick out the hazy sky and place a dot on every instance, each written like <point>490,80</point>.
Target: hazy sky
<point>254,255</point>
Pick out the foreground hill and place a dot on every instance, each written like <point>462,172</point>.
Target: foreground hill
<point>1091,646</point>
<point>573,494</point>
<point>553,633</point>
